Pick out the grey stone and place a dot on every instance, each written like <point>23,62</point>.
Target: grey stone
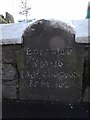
<point>9,89</point>
<point>9,53</point>
<point>87,95</point>
<point>0,52</point>
<point>9,92</point>
<point>8,56</point>
<point>8,72</point>
<point>0,78</point>
<point>10,83</point>
<point>0,72</point>
<point>0,91</point>
<point>51,64</point>
<point>0,109</point>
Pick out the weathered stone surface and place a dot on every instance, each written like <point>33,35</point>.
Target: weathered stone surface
<point>51,64</point>
<point>87,95</point>
<point>9,18</point>
<point>0,75</point>
<point>8,58</point>
<point>9,89</point>
<point>0,91</point>
<point>86,71</point>
<point>0,109</point>
<point>9,53</point>
<point>0,80</point>
<point>8,72</point>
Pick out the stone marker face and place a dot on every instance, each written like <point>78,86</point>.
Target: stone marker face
<point>50,64</point>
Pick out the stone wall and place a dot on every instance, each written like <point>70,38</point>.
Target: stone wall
<point>7,19</point>
<point>15,61</point>
<point>10,75</point>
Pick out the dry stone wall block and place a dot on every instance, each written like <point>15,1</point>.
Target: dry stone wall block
<point>8,72</point>
<point>9,89</point>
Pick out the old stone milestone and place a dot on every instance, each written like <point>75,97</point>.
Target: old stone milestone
<point>50,64</point>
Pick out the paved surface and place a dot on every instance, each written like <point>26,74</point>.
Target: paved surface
<point>29,109</point>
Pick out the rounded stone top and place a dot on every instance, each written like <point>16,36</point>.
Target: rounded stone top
<point>42,32</point>
<point>51,23</point>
